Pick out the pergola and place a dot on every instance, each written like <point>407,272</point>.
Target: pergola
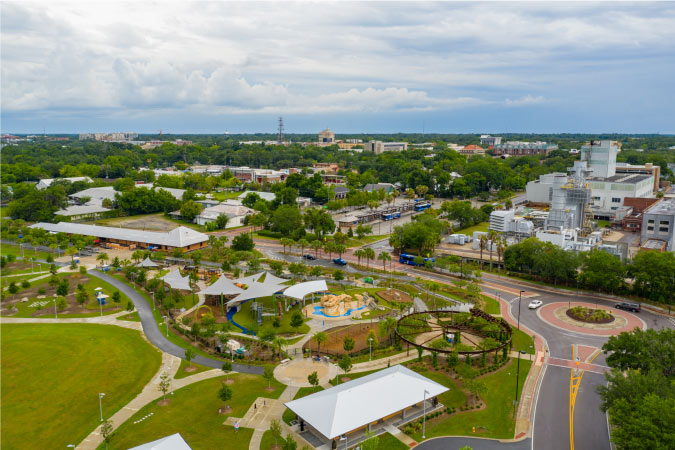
<point>148,263</point>
<point>223,286</point>
<point>176,281</point>
<point>302,290</point>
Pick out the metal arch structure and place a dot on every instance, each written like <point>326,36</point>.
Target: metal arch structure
<point>440,330</point>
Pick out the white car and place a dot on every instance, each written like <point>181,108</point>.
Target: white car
<point>534,304</point>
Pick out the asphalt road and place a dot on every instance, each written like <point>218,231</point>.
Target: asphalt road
<point>156,336</point>
<point>455,443</point>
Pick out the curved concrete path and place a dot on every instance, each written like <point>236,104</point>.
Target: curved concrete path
<point>156,337</point>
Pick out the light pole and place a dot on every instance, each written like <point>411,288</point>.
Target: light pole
<point>153,300</point>
<point>531,353</point>
<point>166,322</point>
<point>424,414</point>
<point>56,314</point>
<point>100,405</point>
<point>520,298</point>
<point>370,345</point>
<point>515,403</point>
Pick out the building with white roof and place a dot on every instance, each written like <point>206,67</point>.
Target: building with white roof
<point>392,396</point>
<point>235,214</point>
<point>267,196</point>
<point>80,212</point>
<point>180,237</point>
<point>173,442</point>
<point>97,194</point>
<point>46,182</point>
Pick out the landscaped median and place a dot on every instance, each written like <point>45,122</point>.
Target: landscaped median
<point>52,375</point>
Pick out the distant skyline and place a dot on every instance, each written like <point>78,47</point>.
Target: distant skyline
<point>354,67</point>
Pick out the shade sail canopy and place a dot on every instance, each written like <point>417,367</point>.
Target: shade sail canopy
<point>271,279</point>
<point>148,263</point>
<point>299,291</point>
<point>176,280</point>
<point>357,403</point>
<point>249,279</point>
<point>223,286</point>
<point>257,290</point>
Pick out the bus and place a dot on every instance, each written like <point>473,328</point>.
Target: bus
<point>405,258</point>
<point>391,215</point>
<point>421,206</point>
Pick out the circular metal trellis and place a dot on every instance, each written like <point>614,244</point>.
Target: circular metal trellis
<point>433,325</point>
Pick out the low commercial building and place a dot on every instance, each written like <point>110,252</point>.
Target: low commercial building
<point>378,147</point>
<point>326,137</point>
<point>471,150</point>
<point>181,237</point>
<point>235,214</point>
<point>389,397</point>
<point>82,212</point>
<point>326,167</point>
<point>517,148</point>
<point>388,188</point>
<point>248,174</point>
<point>658,223</point>
<point>340,192</point>
<point>609,193</point>
<point>96,195</point>
<point>46,182</point>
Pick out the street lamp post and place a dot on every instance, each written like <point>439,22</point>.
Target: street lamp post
<point>370,345</point>
<point>520,298</point>
<point>56,314</point>
<point>424,414</point>
<point>100,405</point>
<point>515,403</point>
<point>153,300</point>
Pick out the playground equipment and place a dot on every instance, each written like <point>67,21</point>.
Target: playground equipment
<point>339,305</point>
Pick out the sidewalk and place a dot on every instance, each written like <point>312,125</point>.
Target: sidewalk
<point>110,319</point>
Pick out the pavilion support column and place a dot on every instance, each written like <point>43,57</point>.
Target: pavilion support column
<point>369,428</point>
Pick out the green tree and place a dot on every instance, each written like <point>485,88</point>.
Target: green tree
<point>63,288</point>
<point>268,374</point>
<point>107,432</point>
<point>313,379</point>
<point>225,393</point>
<point>642,350</point>
<point>384,257</point>
<point>227,368</point>
<point>319,337</point>
<point>164,383</point>
<point>602,271</point>
<point>363,230</point>
<point>242,242</point>
<point>82,297</point>
<point>338,275</point>
<point>297,321</point>
<point>348,344</point>
<point>319,221</point>
<point>345,364</point>
<point>654,273</point>
<point>287,220</point>
<point>190,354</point>
<point>275,429</point>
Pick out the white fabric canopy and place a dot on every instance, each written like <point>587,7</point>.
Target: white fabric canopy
<point>271,279</point>
<point>223,286</point>
<point>249,279</point>
<point>257,290</point>
<point>176,280</point>
<point>357,403</point>
<point>147,262</point>
<point>299,291</point>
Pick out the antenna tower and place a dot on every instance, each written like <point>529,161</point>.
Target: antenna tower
<point>281,129</point>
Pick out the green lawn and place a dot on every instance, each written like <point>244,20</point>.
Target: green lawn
<point>491,305</point>
<point>522,341</point>
<point>302,392</point>
<point>388,442</point>
<point>90,309</point>
<point>352,376</point>
<point>483,226</point>
<point>52,374</point>
<point>358,242</point>
<point>193,412</point>
<point>182,373</point>
<point>13,249</point>
<point>496,420</point>
<point>132,317</point>
<point>454,397</point>
<point>222,196</point>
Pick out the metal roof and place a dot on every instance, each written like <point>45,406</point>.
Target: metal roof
<point>178,237</point>
<point>173,442</point>
<point>357,403</point>
<point>147,262</point>
<point>222,286</point>
<point>257,290</point>
<point>299,291</point>
<point>77,210</point>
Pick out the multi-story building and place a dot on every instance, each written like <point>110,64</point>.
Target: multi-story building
<point>380,147</point>
<point>326,167</point>
<point>647,169</point>
<point>490,141</point>
<point>247,175</point>
<point>111,137</point>
<point>657,226</point>
<point>326,137</point>
<point>516,148</point>
<point>600,157</point>
<point>471,150</point>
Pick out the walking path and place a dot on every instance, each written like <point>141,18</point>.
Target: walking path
<point>110,319</point>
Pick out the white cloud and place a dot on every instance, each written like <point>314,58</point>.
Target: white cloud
<point>315,57</point>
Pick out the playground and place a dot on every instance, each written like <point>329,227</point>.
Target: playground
<point>336,307</point>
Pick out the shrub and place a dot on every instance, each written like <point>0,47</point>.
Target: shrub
<point>41,291</point>
<point>83,270</point>
<point>13,288</point>
<point>25,284</point>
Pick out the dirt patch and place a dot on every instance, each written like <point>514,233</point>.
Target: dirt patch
<point>269,389</point>
<point>155,223</point>
<point>228,381</point>
<point>164,402</point>
<point>336,336</point>
<point>395,295</point>
<point>190,369</point>
<point>225,410</point>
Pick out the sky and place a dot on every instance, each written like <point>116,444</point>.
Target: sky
<point>354,67</point>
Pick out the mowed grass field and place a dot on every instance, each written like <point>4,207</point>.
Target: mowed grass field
<point>52,374</point>
<point>193,412</point>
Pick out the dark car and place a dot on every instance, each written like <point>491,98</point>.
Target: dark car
<point>310,257</point>
<point>628,306</point>
<point>340,262</point>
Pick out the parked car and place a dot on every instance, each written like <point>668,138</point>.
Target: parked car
<point>534,304</point>
<point>635,307</point>
<point>340,262</point>
<point>309,256</point>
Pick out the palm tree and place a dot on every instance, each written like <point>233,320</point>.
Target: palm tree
<point>384,257</point>
<point>369,253</point>
<point>286,242</point>
<point>102,257</point>
<point>319,337</point>
<point>501,246</point>
<point>329,248</point>
<point>317,246</point>
<point>359,254</point>
<point>303,243</point>
<point>483,245</point>
<point>136,256</point>
<point>279,343</point>
<point>125,262</point>
<point>492,236</point>
<point>340,249</point>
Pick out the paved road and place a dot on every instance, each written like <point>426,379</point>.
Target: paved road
<point>155,335</point>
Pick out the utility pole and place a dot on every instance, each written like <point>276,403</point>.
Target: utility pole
<point>281,129</point>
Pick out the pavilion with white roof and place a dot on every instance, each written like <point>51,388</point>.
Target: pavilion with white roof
<point>392,396</point>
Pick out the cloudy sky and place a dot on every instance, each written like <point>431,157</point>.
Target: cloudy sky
<point>211,67</point>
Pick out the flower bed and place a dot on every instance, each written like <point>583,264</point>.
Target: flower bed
<point>590,315</point>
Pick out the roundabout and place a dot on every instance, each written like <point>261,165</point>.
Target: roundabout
<point>556,315</point>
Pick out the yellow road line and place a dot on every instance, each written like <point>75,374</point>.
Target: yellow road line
<point>575,382</point>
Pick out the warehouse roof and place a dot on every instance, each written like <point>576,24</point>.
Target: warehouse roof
<point>78,210</point>
<point>178,237</point>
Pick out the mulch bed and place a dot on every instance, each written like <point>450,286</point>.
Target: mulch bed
<point>390,295</point>
<point>609,319</point>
